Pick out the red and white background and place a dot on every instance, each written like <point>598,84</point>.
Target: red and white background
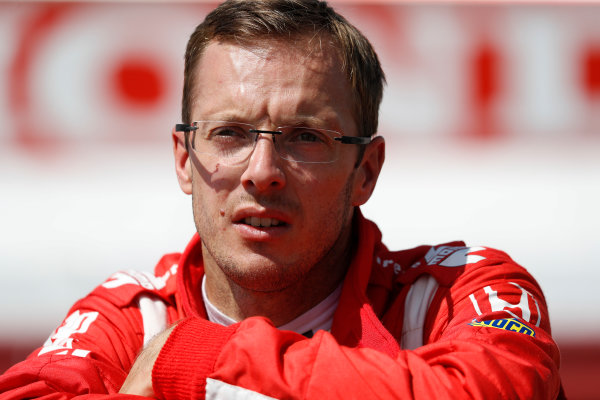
<point>491,116</point>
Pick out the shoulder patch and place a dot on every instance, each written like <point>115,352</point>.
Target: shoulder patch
<point>453,256</point>
<point>124,286</point>
<point>507,324</point>
<point>143,279</point>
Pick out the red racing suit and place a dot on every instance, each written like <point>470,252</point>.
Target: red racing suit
<point>431,322</point>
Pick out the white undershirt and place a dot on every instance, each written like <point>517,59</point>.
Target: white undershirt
<point>320,317</point>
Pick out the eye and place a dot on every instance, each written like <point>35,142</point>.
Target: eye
<point>307,135</point>
<point>229,133</point>
<point>234,132</point>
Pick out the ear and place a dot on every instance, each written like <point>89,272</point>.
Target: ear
<point>368,171</point>
<point>182,162</point>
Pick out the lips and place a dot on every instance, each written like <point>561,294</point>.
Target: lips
<point>258,217</point>
<point>262,222</point>
<point>254,224</point>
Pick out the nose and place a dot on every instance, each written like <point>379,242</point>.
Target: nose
<point>264,171</point>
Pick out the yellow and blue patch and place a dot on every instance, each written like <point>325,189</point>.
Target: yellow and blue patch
<point>507,324</point>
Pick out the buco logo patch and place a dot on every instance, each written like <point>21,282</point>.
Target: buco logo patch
<point>507,324</point>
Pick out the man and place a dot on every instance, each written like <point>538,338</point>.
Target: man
<point>287,290</point>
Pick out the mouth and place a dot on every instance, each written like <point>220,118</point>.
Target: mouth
<point>263,222</point>
<point>259,224</point>
<point>254,228</point>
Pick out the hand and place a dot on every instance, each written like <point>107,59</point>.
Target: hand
<point>139,380</point>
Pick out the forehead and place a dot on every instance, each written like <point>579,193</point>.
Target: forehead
<point>275,79</point>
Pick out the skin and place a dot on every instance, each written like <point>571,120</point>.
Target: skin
<point>278,272</point>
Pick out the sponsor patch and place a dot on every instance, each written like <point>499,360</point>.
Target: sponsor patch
<point>507,324</point>
<point>453,256</point>
<point>61,339</point>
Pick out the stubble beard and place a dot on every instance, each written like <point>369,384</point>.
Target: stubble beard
<point>264,274</point>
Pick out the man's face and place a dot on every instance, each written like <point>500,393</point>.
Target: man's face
<point>266,222</point>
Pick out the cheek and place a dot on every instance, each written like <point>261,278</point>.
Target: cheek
<point>210,192</point>
<point>318,175</point>
<point>327,176</point>
<point>320,192</point>
<point>215,177</point>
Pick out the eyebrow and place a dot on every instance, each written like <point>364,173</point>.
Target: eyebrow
<point>298,120</point>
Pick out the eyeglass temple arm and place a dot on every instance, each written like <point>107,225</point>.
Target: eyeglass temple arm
<point>185,128</point>
<point>354,139</point>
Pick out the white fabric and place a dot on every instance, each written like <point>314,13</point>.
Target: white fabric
<point>154,316</point>
<point>416,305</point>
<point>218,390</point>
<point>320,317</point>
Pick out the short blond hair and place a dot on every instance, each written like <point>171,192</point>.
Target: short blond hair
<point>250,21</point>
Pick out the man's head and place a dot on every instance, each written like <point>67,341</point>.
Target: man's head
<point>247,22</point>
<point>271,219</point>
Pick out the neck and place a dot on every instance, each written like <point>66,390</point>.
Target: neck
<point>284,305</point>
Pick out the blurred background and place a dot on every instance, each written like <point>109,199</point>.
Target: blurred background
<point>491,116</point>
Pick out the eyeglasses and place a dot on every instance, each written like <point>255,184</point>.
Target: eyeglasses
<point>233,142</point>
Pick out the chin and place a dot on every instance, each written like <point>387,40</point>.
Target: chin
<point>265,276</point>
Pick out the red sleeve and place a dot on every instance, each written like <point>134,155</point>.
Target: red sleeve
<point>90,353</point>
<point>470,353</point>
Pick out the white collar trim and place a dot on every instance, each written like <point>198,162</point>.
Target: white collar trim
<point>320,317</point>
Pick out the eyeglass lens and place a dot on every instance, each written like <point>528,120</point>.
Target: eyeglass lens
<point>233,143</point>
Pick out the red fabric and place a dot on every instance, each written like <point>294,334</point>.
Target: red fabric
<point>182,354</point>
<point>463,356</point>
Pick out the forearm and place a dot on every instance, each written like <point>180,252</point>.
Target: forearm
<point>202,357</point>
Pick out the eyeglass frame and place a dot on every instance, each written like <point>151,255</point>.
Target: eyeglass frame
<point>343,139</point>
